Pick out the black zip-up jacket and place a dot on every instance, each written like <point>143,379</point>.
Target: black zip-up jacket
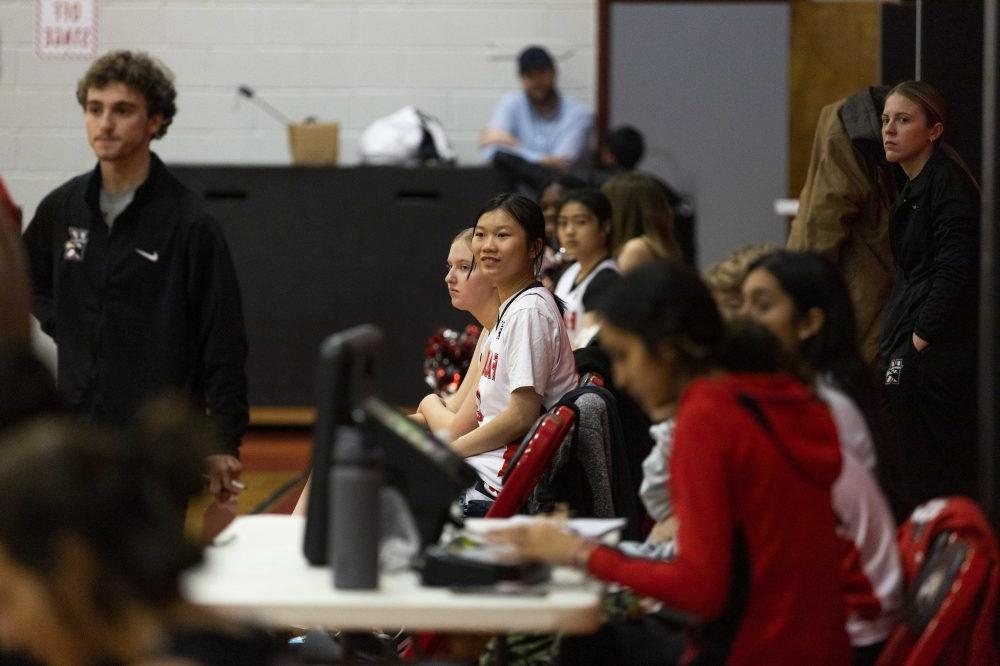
<point>152,304</point>
<point>934,232</point>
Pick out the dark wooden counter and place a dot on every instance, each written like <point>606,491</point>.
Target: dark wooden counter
<point>318,250</point>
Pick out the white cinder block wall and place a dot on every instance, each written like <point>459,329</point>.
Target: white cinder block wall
<point>345,60</point>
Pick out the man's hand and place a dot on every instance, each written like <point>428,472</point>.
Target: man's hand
<point>223,476</point>
<point>555,162</point>
<point>496,137</point>
<point>919,343</point>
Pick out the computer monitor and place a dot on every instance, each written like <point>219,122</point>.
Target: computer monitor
<point>425,471</point>
<point>346,377</point>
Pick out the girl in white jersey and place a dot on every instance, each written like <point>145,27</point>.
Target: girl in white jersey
<point>472,292</point>
<point>584,228</point>
<point>529,363</point>
<point>802,300</point>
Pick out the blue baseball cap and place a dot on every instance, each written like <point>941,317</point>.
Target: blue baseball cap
<point>534,57</point>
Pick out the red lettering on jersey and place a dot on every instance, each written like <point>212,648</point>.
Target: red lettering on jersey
<point>571,321</point>
<point>490,367</point>
<point>479,412</point>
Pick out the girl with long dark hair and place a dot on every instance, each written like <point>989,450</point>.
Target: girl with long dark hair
<point>584,229</point>
<point>529,364</point>
<point>801,298</point>
<point>754,456</point>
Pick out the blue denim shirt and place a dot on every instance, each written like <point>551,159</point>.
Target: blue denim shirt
<point>563,134</point>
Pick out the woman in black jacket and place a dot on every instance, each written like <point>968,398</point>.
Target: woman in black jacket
<point>928,346</point>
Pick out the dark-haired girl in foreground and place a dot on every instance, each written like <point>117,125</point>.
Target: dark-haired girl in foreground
<point>584,229</point>
<point>753,460</point>
<point>91,549</point>
<point>801,298</point>
<point>529,365</point>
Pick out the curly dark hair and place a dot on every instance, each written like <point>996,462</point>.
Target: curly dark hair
<point>137,70</point>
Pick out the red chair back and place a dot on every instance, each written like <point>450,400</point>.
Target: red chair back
<point>531,461</point>
<point>950,562</point>
<point>591,379</point>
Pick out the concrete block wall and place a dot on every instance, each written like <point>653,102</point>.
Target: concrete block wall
<point>350,61</point>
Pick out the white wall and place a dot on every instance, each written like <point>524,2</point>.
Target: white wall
<point>345,60</point>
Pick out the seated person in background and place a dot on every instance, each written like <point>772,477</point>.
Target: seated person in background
<point>472,292</point>
<point>754,457</point>
<point>725,278</point>
<point>622,153</point>
<point>538,123</point>
<point>803,301</point>
<point>643,222</point>
<point>585,233</point>
<point>529,364</point>
<point>90,553</point>
<point>554,259</point>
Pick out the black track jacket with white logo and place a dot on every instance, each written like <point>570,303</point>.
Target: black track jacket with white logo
<point>151,304</point>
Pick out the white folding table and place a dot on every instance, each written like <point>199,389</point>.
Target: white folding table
<point>256,572</point>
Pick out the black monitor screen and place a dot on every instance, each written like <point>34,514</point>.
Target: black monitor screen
<point>346,377</point>
<point>428,474</point>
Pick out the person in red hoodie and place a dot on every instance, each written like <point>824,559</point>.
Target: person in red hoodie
<point>754,457</point>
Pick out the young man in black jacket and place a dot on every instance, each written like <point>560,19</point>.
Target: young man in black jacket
<point>132,277</point>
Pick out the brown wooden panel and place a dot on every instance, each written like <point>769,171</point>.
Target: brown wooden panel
<point>834,52</point>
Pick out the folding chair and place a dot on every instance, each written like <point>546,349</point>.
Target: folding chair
<point>531,460</point>
<point>949,556</point>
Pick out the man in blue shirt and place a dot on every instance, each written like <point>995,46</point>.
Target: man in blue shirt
<point>538,123</point>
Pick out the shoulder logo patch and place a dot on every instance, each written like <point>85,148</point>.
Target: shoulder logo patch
<point>75,247</point>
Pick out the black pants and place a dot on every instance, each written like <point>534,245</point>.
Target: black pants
<point>931,399</point>
<point>647,640</point>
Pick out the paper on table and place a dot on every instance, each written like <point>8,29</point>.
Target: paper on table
<point>590,528</point>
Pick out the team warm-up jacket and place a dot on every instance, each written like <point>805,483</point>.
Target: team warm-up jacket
<point>151,304</point>
<point>934,228</point>
<point>753,461</point>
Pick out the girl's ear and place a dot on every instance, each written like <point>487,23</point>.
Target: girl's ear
<point>937,131</point>
<point>811,323</point>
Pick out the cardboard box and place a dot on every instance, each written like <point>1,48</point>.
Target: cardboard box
<point>314,143</point>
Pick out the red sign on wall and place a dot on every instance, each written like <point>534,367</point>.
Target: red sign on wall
<point>66,28</point>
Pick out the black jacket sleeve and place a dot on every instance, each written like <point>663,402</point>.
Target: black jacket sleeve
<point>38,243</point>
<point>955,229</point>
<point>215,293</point>
<point>604,279</point>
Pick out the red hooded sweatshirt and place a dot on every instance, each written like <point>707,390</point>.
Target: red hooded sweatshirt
<point>758,564</point>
